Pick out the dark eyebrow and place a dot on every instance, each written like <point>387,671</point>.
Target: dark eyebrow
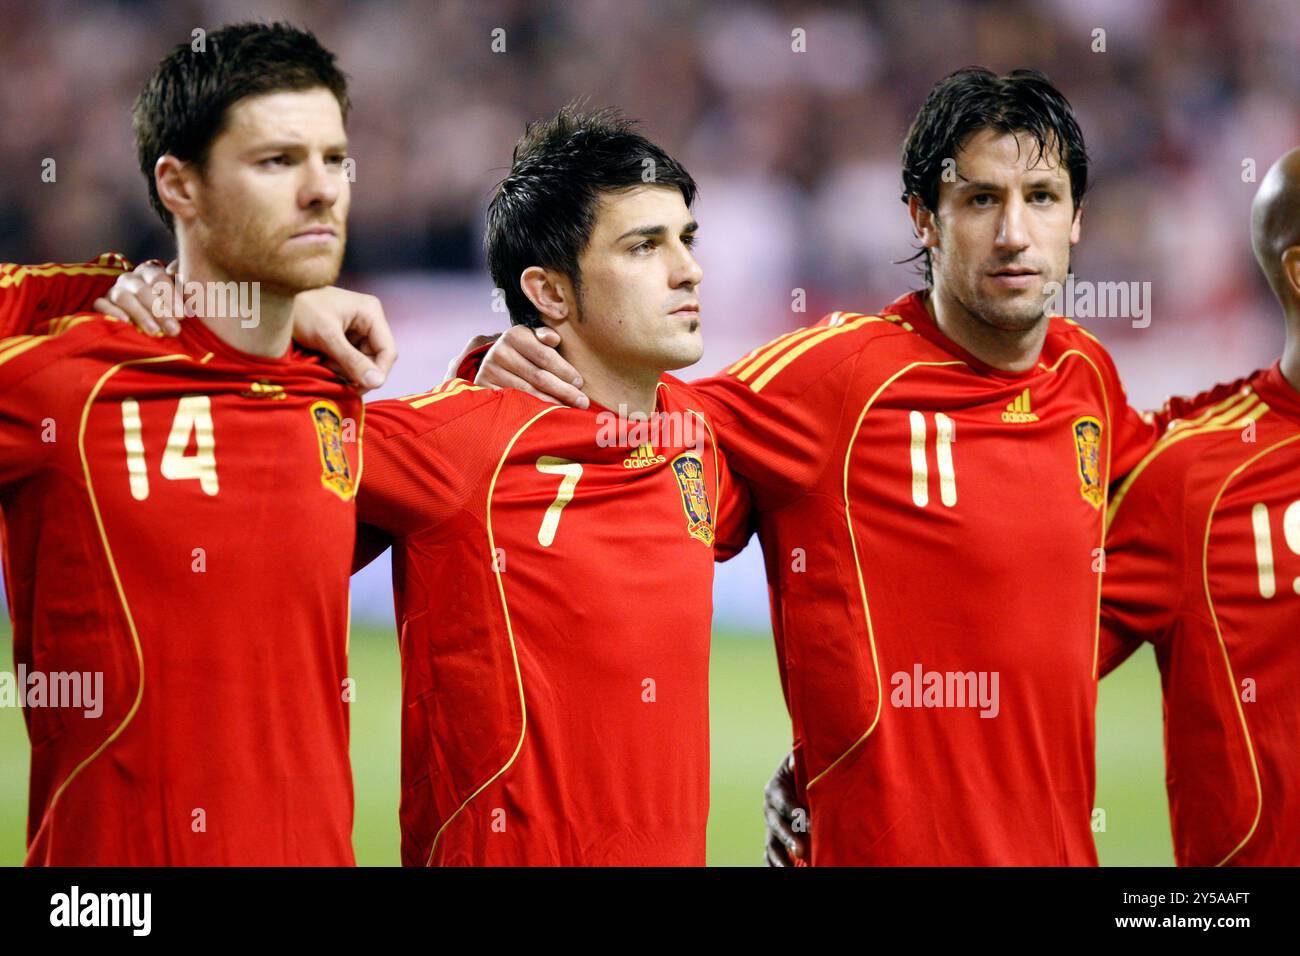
<point>1039,182</point>
<point>970,185</point>
<point>656,232</point>
<point>296,146</point>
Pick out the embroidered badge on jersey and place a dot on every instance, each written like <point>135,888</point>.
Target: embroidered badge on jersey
<point>337,473</point>
<point>1087,446</point>
<point>689,472</point>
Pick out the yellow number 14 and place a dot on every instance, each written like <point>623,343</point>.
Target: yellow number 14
<point>193,417</point>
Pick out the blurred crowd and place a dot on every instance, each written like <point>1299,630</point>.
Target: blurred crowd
<point>796,152</point>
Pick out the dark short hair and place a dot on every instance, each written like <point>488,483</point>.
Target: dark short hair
<point>973,98</point>
<point>183,107</point>
<point>543,212</point>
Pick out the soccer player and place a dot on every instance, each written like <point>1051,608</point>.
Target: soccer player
<point>930,483</point>
<point>553,567</point>
<point>179,514</point>
<point>1203,561</point>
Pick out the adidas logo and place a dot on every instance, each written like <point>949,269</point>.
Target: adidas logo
<point>265,389</point>
<point>1018,411</point>
<point>643,457</point>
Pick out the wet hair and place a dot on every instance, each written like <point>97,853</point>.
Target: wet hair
<point>972,99</point>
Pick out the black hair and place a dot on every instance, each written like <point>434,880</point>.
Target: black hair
<point>973,98</point>
<point>183,106</point>
<point>543,212</point>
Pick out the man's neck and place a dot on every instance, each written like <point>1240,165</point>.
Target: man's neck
<point>615,389</point>
<point>1290,363</point>
<point>245,315</point>
<point>1002,349</point>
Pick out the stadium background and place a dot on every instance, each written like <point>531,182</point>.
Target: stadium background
<point>797,158</point>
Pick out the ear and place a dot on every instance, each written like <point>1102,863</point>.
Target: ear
<point>1291,270</point>
<point>1076,228</point>
<point>550,292</point>
<point>177,183</point>
<point>923,222</point>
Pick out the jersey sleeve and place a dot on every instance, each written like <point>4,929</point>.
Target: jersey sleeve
<point>31,295</point>
<point>778,409</point>
<point>1181,408</point>
<point>735,523</point>
<point>34,395</point>
<point>1142,584</point>
<point>1135,433</point>
<point>21,449</point>
<point>425,454</point>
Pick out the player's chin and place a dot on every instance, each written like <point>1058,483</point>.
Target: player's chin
<point>685,349</point>
<point>300,273</point>
<point>1015,310</point>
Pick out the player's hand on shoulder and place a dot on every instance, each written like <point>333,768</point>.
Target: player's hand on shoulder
<point>142,297</point>
<point>475,343</point>
<point>350,328</point>
<point>527,359</point>
<point>787,822</point>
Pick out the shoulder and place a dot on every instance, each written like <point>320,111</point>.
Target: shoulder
<point>110,264</point>
<point>1206,441</point>
<point>804,356</point>
<point>89,334</point>
<point>453,401</point>
<point>1066,335</point>
<point>1218,399</point>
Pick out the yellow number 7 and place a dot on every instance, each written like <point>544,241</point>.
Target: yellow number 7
<point>572,471</point>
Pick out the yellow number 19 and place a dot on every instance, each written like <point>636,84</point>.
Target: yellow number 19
<point>1264,544</point>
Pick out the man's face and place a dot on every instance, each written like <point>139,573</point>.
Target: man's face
<point>272,203</point>
<point>1003,229</point>
<point>638,305</point>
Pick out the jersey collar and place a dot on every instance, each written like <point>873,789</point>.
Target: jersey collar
<point>911,309</point>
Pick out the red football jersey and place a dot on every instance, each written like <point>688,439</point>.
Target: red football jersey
<point>932,528</point>
<point>1203,561</point>
<point>178,525</point>
<point>553,585</point>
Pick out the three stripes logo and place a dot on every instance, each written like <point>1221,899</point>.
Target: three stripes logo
<point>265,389</point>
<point>1018,410</point>
<point>643,457</point>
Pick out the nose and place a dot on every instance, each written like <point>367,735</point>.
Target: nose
<point>687,272</point>
<point>320,186</point>
<point>1013,232</point>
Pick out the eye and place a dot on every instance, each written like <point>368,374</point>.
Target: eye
<point>1042,195</point>
<point>642,248</point>
<point>689,240</point>
<point>982,199</point>
<point>278,160</point>
<point>336,159</point>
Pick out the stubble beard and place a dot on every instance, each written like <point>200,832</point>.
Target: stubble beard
<point>246,253</point>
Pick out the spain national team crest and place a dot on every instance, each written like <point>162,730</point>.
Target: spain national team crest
<point>1087,446</point>
<point>689,472</point>
<point>337,473</point>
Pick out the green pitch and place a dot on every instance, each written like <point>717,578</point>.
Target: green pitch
<point>750,733</point>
